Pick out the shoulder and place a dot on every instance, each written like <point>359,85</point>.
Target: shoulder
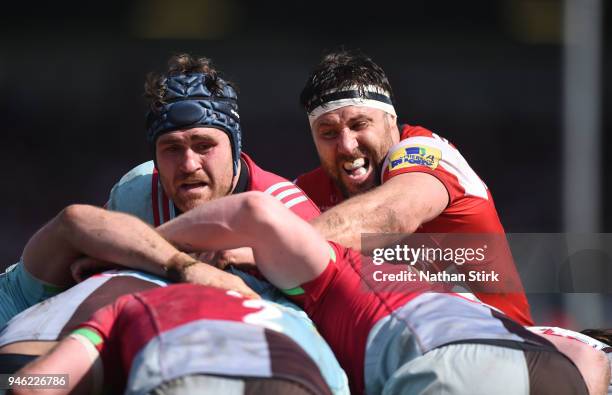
<point>421,150</point>
<point>314,175</point>
<point>282,189</point>
<point>260,179</point>
<point>263,180</point>
<point>135,182</point>
<point>312,179</point>
<point>407,131</point>
<point>135,175</point>
<point>320,188</point>
<point>132,194</point>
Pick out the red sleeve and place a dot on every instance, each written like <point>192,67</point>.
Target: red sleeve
<point>282,189</point>
<point>425,152</point>
<point>103,320</point>
<point>292,197</point>
<point>304,207</point>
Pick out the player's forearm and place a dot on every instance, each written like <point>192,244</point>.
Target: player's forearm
<point>287,250</point>
<point>70,358</point>
<point>212,226</point>
<point>400,205</point>
<point>368,213</point>
<point>117,238</point>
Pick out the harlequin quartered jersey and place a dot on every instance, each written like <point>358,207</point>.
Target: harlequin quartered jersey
<point>56,317</point>
<point>139,192</point>
<point>352,312</point>
<point>217,332</point>
<point>421,150</point>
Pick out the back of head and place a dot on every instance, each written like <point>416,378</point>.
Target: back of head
<point>344,71</point>
<point>190,94</point>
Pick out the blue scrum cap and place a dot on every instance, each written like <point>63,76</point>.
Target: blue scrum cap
<point>188,103</point>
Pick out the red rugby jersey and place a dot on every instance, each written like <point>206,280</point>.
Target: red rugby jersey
<point>347,300</point>
<point>470,210</point>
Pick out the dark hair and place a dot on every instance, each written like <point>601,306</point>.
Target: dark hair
<point>343,69</point>
<point>177,65</point>
<point>603,335</point>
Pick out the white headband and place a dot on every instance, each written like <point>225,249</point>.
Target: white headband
<point>375,98</point>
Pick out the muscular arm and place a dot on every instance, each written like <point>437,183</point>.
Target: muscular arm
<point>400,205</point>
<point>288,251</point>
<point>80,230</point>
<point>70,357</point>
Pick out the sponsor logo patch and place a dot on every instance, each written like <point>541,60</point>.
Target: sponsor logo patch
<point>418,155</point>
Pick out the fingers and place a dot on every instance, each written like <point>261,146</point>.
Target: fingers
<point>203,274</point>
<point>247,292</point>
<point>231,282</point>
<point>237,257</point>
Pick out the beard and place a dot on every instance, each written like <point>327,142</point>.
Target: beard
<point>213,189</point>
<point>335,170</point>
<point>375,157</point>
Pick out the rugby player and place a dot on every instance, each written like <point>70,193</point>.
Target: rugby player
<point>390,338</point>
<point>36,330</point>
<point>380,177</point>
<point>78,231</point>
<point>188,337</point>
<point>193,130</point>
<point>119,237</point>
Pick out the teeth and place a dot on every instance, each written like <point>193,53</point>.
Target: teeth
<point>359,162</point>
<point>360,171</point>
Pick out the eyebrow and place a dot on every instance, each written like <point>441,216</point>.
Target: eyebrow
<point>194,138</point>
<point>354,118</point>
<point>360,117</point>
<point>198,137</point>
<point>168,140</point>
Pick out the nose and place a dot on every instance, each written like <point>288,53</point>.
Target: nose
<point>190,162</point>
<point>347,143</point>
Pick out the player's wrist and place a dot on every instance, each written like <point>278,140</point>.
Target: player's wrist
<point>176,267</point>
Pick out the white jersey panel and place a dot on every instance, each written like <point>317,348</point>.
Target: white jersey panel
<point>44,321</point>
<point>451,160</point>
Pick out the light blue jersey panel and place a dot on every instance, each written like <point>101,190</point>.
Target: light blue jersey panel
<point>229,348</point>
<point>295,323</point>
<point>133,194</point>
<point>20,290</point>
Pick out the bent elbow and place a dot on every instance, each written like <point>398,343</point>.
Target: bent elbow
<point>72,215</point>
<point>259,209</point>
<point>409,225</point>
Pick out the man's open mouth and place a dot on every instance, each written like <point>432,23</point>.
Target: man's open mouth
<point>357,168</point>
